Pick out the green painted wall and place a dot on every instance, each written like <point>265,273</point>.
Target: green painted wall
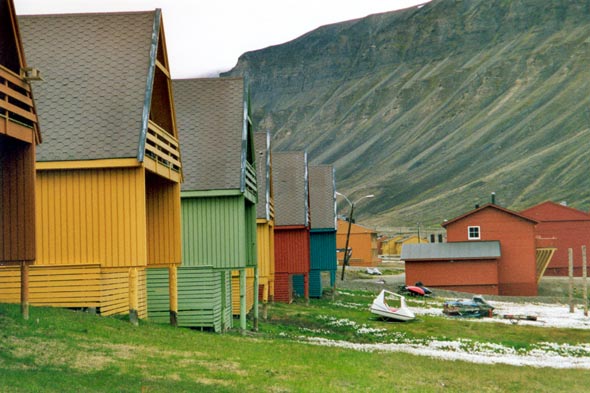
<point>218,231</point>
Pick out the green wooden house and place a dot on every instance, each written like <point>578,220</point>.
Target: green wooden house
<point>218,201</point>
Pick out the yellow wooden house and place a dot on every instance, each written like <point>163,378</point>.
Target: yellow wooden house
<point>265,218</point>
<point>19,133</point>
<point>109,172</point>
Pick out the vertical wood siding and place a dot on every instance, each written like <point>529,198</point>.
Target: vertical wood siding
<point>163,221</point>
<point>251,236</point>
<point>214,232</point>
<point>266,249</point>
<point>323,250</point>
<point>91,216</point>
<point>291,250</point>
<point>17,201</point>
<point>315,284</point>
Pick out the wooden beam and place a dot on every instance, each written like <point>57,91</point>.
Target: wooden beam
<point>88,164</point>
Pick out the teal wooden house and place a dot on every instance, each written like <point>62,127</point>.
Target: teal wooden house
<point>218,200</point>
<point>322,236</point>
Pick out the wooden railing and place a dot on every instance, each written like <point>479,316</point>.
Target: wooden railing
<point>162,147</point>
<point>251,178</point>
<point>16,103</point>
<point>271,208</point>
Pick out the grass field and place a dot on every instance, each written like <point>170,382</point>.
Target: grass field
<point>69,351</point>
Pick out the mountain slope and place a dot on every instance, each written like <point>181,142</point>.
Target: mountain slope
<point>433,108</point>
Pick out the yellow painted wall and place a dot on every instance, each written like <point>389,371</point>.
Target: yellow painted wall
<point>235,288</point>
<point>75,286</point>
<point>163,221</point>
<point>265,238</point>
<point>91,216</point>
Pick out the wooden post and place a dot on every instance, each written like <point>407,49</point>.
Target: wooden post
<point>133,296</point>
<point>173,294</point>
<point>256,299</point>
<point>24,290</point>
<point>585,280</point>
<point>243,304</point>
<point>571,278</point>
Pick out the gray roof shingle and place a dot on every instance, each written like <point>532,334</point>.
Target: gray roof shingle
<point>451,250</point>
<point>322,196</point>
<point>95,69</point>
<point>210,119</point>
<point>290,186</point>
<point>262,145</point>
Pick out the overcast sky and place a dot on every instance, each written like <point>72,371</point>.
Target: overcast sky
<point>205,37</point>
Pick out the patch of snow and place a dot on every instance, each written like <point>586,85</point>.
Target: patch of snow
<point>548,315</point>
<point>454,350</point>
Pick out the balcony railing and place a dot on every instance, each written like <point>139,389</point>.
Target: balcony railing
<point>251,179</point>
<point>162,147</point>
<point>16,104</point>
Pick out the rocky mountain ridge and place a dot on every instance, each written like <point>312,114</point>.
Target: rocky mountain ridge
<point>432,108</point>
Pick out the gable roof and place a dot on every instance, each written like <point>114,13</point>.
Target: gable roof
<point>212,117</point>
<point>98,71</point>
<point>489,206</point>
<point>263,171</point>
<point>322,197</point>
<point>551,211</point>
<point>290,184</point>
<point>451,250</point>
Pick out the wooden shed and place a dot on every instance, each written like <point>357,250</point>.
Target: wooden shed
<point>218,200</point>
<point>19,134</point>
<point>322,237</point>
<point>265,217</point>
<point>292,222</point>
<point>567,228</point>
<point>109,171</point>
<point>363,242</point>
<point>490,250</point>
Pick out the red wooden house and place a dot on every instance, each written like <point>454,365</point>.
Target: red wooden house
<point>292,222</point>
<point>570,228</point>
<point>490,250</point>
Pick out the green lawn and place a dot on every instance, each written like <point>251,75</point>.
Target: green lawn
<point>67,351</point>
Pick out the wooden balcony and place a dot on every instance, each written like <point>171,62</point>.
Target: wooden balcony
<point>162,153</point>
<point>17,111</point>
<point>251,185</point>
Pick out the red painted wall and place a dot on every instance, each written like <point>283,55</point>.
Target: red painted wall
<point>291,257</point>
<point>569,227</point>
<point>516,266</point>
<point>478,276</point>
<point>291,250</point>
<point>283,288</point>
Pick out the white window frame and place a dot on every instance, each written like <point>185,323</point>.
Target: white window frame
<point>469,236</point>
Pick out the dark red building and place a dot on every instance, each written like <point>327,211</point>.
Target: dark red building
<point>570,228</point>
<point>490,250</point>
<point>292,222</point>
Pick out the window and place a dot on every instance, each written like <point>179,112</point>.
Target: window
<point>473,233</point>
